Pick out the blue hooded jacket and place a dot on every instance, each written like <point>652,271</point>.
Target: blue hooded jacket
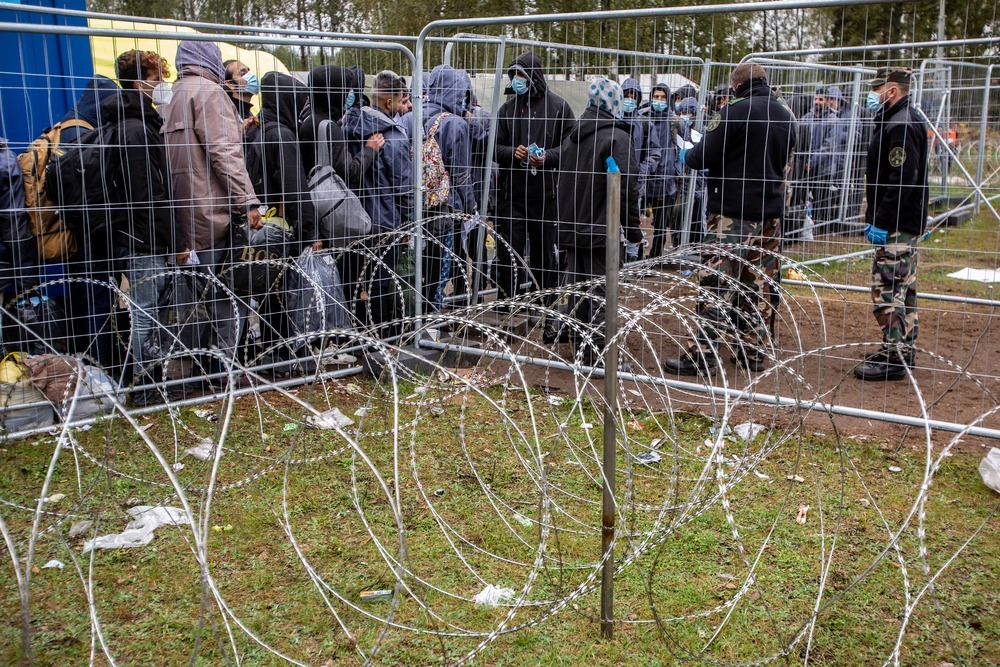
<point>387,182</point>
<point>661,163</point>
<point>88,107</point>
<point>18,249</point>
<point>448,90</point>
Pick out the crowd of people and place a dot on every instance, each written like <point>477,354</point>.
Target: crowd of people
<point>189,174</point>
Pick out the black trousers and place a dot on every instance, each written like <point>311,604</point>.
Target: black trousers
<point>586,304</point>
<point>664,219</point>
<point>530,228</point>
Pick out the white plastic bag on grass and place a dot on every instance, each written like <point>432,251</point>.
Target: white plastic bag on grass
<point>989,468</point>
<point>139,531</point>
<point>493,595</point>
<point>316,294</point>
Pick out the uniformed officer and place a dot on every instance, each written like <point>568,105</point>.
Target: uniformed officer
<point>896,190</point>
<point>745,150</point>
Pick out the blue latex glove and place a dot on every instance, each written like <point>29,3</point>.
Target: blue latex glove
<point>683,153</point>
<point>631,252</point>
<point>875,235</point>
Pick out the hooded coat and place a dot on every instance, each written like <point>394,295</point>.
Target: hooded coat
<point>537,117</point>
<point>582,192</point>
<point>745,149</point>
<point>204,140</point>
<point>18,248</point>
<point>88,107</point>
<point>274,159</point>
<point>660,164</point>
<point>328,88</point>
<point>143,222</point>
<point>637,120</point>
<point>386,188</point>
<point>447,92</point>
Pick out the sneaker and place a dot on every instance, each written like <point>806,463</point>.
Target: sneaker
<point>691,362</point>
<point>883,365</point>
<point>555,333</point>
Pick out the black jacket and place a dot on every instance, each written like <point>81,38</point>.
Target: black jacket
<point>144,222</point>
<point>328,88</point>
<point>274,159</point>
<point>745,149</point>
<point>896,171</point>
<point>540,117</point>
<point>583,180</point>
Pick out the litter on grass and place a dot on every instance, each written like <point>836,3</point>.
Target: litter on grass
<point>747,431</point>
<point>202,451</point>
<point>647,458</point>
<point>493,595</point>
<point>54,564</point>
<point>329,420</point>
<point>139,531</point>
<point>989,468</point>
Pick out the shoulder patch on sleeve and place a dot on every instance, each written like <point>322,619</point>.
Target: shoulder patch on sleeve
<point>714,122</point>
<point>735,100</point>
<point>897,156</point>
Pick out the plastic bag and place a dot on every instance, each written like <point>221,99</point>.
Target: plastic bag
<point>316,295</point>
<point>493,595</point>
<point>56,376</point>
<point>42,321</point>
<point>14,419</point>
<point>139,531</point>
<point>989,468</point>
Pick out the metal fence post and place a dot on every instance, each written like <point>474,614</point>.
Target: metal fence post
<point>614,189</point>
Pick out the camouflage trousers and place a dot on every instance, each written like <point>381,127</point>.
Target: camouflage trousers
<point>738,278</point>
<point>894,291</point>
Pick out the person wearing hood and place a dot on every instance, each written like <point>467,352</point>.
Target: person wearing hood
<point>18,248</point>
<point>330,93</point>
<point>88,305</point>
<point>211,187</point>
<point>745,149</point>
<point>687,111</point>
<point>145,230</point>
<point>386,192</point>
<point>599,134</point>
<point>820,130</point>
<point>531,127</point>
<point>660,169</point>
<point>444,116</point>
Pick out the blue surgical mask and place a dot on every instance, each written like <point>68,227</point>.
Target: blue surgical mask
<point>251,83</point>
<point>659,106</point>
<point>629,105</point>
<point>874,101</point>
<point>519,85</point>
<point>351,97</point>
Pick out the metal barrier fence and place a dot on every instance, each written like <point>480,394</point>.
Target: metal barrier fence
<point>276,307</point>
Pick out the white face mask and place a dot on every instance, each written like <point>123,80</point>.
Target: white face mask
<point>163,94</point>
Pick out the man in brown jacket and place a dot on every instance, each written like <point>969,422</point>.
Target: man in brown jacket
<point>211,187</point>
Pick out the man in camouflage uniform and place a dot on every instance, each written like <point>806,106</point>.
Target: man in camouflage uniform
<point>896,190</point>
<point>745,150</point>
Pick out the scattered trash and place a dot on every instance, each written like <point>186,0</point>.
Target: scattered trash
<point>586,426</point>
<point>989,468</point>
<point>647,458</point>
<point>54,498</point>
<point>493,595</point>
<point>437,410</point>
<point>714,430</point>
<point>803,511</point>
<point>139,531</point>
<point>523,520</point>
<point>977,275</point>
<point>382,595</point>
<point>79,528</point>
<point>726,576</point>
<point>133,501</point>
<point>207,415</point>
<point>895,469</point>
<point>326,421</point>
<point>635,425</point>
<point>656,442</point>
<point>763,476</point>
<point>865,502</point>
<point>747,431</point>
<point>361,412</point>
<point>146,427</point>
<point>554,400</point>
<point>178,466</point>
<point>795,478</point>
<point>290,428</point>
<point>438,492</point>
<point>202,451</point>
<point>219,529</point>
<point>352,388</point>
<point>54,564</point>
<point>792,274</point>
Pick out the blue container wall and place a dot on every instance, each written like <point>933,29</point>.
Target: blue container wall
<point>40,75</point>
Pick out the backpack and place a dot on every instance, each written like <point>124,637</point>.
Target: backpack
<point>79,183</point>
<point>435,178</point>
<point>55,241</point>
<point>340,217</point>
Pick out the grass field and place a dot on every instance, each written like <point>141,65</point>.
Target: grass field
<point>695,583</point>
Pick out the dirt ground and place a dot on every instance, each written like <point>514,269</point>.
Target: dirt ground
<point>811,334</point>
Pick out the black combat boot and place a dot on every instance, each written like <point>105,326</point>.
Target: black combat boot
<point>883,365</point>
<point>691,362</point>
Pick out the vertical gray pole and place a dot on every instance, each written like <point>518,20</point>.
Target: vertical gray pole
<point>982,138</point>
<point>478,260</point>
<point>852,142</point>
<point>418,173</point>
<point>610,399</point>
<point>692,178</point>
